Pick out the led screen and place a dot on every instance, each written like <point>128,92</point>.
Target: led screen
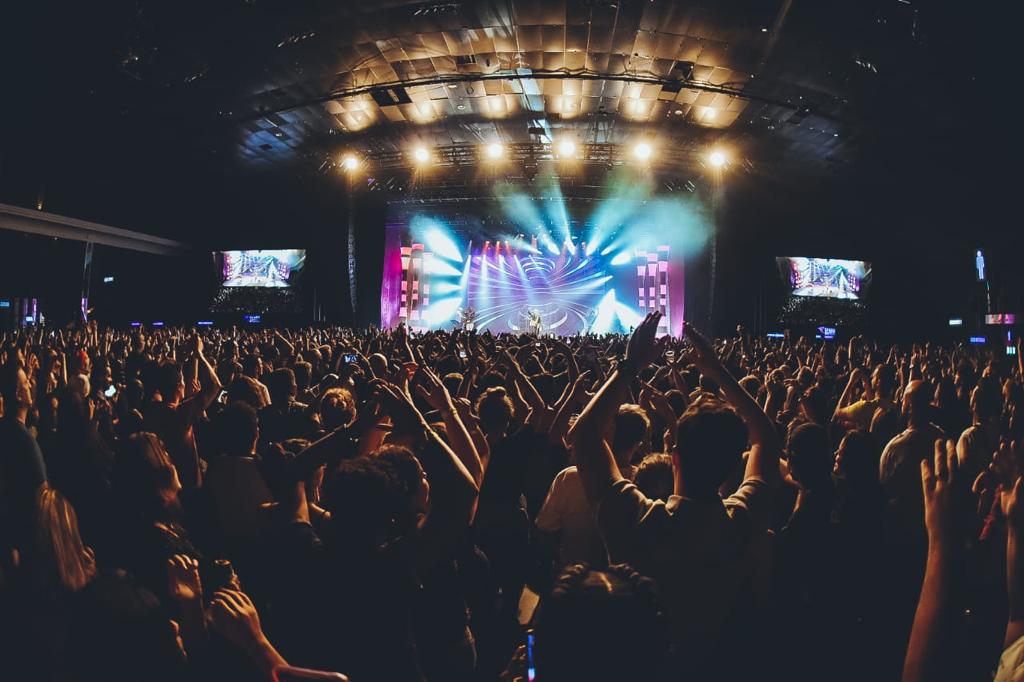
<point>275,268</point>
<point>825,277</point>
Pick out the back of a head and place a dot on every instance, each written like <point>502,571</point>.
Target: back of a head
<point>918,400</point>
<point>11,381</point>
<point>495,409</point>
<point>237,427</point>
<point>815,404</point>
<point>886,380</point>
<point>303,374</point>
<point>120,632</point>
<point>452,381</point>
<point>370,500</point>
<point>245,389</point>
<point>600,625</point>
<point>987,399</point>
<point>337,408</point>
<point>632,427</point>
<point>710,440</point>
<point>165,379</point>
<point>281,385</point>
<point>858,461</point>
<point>59,557</point>
<point>654,476</point>
<point>810,456</point>
<point>142,472</point>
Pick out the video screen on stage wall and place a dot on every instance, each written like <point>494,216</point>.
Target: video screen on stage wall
<point>530,261</point>
<point>825,277</point>
<point>274,268</point>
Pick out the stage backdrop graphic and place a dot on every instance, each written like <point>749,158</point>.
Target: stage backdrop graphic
<point>825,277</point>
<point>442,260</point>
<point>260,268</point>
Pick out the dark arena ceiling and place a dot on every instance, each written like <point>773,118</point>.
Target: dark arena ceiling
<point>174,97</point>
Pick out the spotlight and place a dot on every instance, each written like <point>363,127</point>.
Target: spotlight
<point>494,151</point>
<point>350,162</point>
<point>421,154</point>
<point>566,148</point>
<point>717,159</point>
<point>642,151</point>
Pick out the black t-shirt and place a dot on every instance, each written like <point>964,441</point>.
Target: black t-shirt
<point>506,472</point>
<point>21,473</point>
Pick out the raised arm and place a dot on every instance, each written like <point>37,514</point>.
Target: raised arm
<point>594,459</point>
<point>210,386</point>
<point>1013,509</point>
<point>440,463</point>
<point>856,377</point>
<point>766,446</point>
<point>529,391</point>
<point>925,657</point>
<point>434,392</point>
<point>577,393</point>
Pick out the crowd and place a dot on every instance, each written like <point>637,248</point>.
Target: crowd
<point>223,504</point>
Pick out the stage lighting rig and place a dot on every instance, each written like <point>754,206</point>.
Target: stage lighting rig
<point>349,162</point>
<point>421,155</point>
<point>717,158</point>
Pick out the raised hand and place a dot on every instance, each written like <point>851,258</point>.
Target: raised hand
<point>398,405</point>
<point>643,346</point>
<point>938,482</point>
<point>183,583</point>
<point>578,392</point>
<point>1000,475</point>
<point>702,353</point>
<point>465,410</point>
<point>433,391</point>
<point>1011,502</point>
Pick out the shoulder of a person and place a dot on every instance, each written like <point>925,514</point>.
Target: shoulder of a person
<point>567,473</point>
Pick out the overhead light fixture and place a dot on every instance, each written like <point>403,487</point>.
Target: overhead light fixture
<point>566,148</point>
<point>350,162</point>
<point>421,154</point>
<point>642,151</point>
<point>494,150</point>
<point>717,158</point>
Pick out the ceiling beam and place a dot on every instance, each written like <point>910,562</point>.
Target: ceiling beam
<point>18,219</point>
<point>518,74</point>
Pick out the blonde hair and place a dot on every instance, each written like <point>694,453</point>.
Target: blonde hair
<point>60,546</point>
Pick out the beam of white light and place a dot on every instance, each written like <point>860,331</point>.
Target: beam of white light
<point>439,267</point>
<point>442,311</point>
<point>442,288</point>
<point>622,257</point>
<point>627,316</point>
<point>442,245</point>
<point>605,314</point>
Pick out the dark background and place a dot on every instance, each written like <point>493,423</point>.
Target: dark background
<point>931,176</point>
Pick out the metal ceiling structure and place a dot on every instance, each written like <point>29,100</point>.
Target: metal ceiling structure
<point>378,79</point>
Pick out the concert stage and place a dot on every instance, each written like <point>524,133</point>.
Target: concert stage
<point>526,264</point>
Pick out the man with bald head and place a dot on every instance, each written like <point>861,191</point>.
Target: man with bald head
<point>900,466</point>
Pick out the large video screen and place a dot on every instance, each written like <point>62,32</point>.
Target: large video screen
<point>275,268</point>
<point>825,277</point>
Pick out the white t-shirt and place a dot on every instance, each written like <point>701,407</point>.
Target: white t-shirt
<point>567,511</point>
